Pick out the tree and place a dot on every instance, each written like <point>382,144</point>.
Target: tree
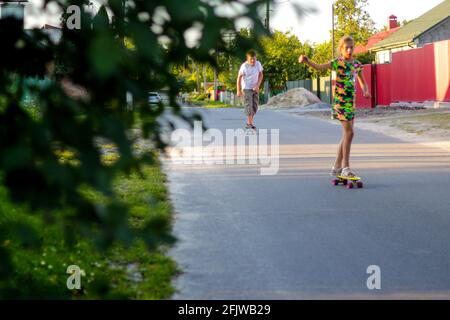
<point>366,58</point>
<point>280,59</point>
<point>321,54</point>
<point>228,65</point>
<point>351,19</point>
<point>187,76</point>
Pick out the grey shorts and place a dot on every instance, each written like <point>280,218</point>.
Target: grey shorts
<point>251,100</point>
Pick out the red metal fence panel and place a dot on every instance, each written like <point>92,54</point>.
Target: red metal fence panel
<point>362,102</point>
<point>415,75</point>
<point>383,84</point>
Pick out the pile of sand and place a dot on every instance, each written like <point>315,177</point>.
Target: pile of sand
<point>297,97</point>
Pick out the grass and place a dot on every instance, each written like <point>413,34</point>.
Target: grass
<point>212,104</point>
<point>419,124</point>
<point>436,120</point>
<point>136,272</point>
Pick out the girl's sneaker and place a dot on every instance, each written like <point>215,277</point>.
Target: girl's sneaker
<point>335,172</point>
<point>348,173</point>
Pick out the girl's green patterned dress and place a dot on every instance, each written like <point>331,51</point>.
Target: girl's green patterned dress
<point>344,91</point>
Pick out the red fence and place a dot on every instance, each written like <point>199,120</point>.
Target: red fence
<point>415,75</point>
<point>383,83</point>
<point>360,101</point>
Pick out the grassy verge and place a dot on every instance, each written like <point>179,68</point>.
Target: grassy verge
<point>211,104</point>
<point>136,272</point>
<point>435,121</point>
<point>422,124</point>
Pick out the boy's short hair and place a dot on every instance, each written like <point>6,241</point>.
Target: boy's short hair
<point>251,53</point>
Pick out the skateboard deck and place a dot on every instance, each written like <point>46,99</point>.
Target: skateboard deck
<point>350,183</point>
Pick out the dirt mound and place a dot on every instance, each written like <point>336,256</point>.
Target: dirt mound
<point>297,97</point>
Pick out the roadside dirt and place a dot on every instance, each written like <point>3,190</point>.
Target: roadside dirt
<point>410,124</point>
<point>297,97</point>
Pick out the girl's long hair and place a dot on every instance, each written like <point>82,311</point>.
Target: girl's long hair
<point>343,41</point>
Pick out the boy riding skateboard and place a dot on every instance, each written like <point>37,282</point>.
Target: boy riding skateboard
<point>248,83</point>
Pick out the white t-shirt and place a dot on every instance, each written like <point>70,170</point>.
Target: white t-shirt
<point>250,75</point>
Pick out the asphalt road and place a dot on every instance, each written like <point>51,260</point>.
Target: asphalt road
<point>292,235</point>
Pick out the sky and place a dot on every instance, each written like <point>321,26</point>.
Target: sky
<point>313,27</point>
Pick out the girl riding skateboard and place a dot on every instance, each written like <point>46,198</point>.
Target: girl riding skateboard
<point>347,69</point>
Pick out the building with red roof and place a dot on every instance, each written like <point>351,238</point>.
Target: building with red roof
<point>373,40</point>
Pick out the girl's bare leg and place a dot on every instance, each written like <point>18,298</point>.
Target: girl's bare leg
<point>340,155</point>
<point>347,142</point>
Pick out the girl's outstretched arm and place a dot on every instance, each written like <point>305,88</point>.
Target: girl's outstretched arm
<point>320,67</point>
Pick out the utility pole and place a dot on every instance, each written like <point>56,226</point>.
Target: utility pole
<point>204,78</point>
<point>121,17</point>
<point>332,28</point>
<point>332,52</point>
<point>197,73</point>
<point>215,78</point>
<point>266,81</point>
<point>229,37</point>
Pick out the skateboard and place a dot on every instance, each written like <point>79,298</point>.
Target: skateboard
<point>350,183</point>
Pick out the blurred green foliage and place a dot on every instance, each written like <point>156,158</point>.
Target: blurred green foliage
<point>133,52</point>
<point>39,255</point>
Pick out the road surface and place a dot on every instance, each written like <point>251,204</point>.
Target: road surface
<point>243,235</point>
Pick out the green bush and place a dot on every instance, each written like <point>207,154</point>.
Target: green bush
<point>60,200</point>
<point>40,253</point>
<point>201,97</point>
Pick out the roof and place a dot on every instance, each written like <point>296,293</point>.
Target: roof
<point>416,27</point>
<point>373,40</point>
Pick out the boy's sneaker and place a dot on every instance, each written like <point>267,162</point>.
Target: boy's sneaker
<point>253,127</point>
<point>335,172</point>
